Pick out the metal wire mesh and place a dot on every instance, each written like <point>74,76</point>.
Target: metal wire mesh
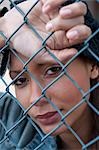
<point>22,119</point>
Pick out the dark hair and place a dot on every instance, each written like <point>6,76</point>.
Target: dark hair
<point>94,100</point>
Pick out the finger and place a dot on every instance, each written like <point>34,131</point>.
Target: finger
<point>63,24</point>
<point>73,10</point>
<point>49,5</point>
<point>74,36</point>
<point>64,54</point>
<point>58,40</point>
<point>78,34</point>
<point>2,42</point>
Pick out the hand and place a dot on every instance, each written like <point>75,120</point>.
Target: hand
<point>60,39</point>
<point>70,18</point>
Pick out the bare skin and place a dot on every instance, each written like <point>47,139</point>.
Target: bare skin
<point>46,70</point>
<point>67,13</point>
<point>74,29</point>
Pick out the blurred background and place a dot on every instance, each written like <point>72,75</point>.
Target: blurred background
<point>94,7</point>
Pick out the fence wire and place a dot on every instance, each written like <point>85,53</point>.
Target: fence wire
<point>20,117</point>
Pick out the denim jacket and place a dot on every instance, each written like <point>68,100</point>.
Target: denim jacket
<point>22,137</point>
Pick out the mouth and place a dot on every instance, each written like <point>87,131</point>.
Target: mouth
<point>49,118</point>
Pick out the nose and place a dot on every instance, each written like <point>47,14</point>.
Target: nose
<point>36,95</point>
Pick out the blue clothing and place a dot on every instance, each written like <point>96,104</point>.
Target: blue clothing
<point>24,136</point>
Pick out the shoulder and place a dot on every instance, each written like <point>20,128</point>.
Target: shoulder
<point>37,142</point>
<point>13,129</point>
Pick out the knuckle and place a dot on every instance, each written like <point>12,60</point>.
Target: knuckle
<point>80,7</point>
<point>86,31</point>
<point>83,7</point>
<point>57,24</point>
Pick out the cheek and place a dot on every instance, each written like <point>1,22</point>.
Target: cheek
<point>80,75</point>
<point>81,80</point>
<point>65,92</point>
<point>22,97</point>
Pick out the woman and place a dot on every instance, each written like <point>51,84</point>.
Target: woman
<point>63,93</point>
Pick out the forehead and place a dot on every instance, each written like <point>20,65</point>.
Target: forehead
<point>42,58</point>
<point>18,61</point>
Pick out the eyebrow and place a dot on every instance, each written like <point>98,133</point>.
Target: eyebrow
<point>44,58</point>
<point>47,58</point>
<point>14,73</point>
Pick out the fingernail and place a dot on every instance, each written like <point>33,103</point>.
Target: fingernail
<point>49,27</point>
<point>46,8</point>
<point>65,12</point>
<point>72,34</point>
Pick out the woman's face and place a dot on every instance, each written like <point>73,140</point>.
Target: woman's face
<point>63,93</point>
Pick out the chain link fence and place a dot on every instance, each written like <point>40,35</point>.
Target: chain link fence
<point>18,129</point>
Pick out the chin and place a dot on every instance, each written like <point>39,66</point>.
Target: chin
<point>58,131</point>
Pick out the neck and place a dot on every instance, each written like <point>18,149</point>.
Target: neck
<point>83,128</point>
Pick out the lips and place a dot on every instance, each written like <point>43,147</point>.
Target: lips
<point>48,118</point>
<point>46,115</point>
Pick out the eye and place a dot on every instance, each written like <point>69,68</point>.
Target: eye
<point>53,71</point>
<point>21,82</point>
